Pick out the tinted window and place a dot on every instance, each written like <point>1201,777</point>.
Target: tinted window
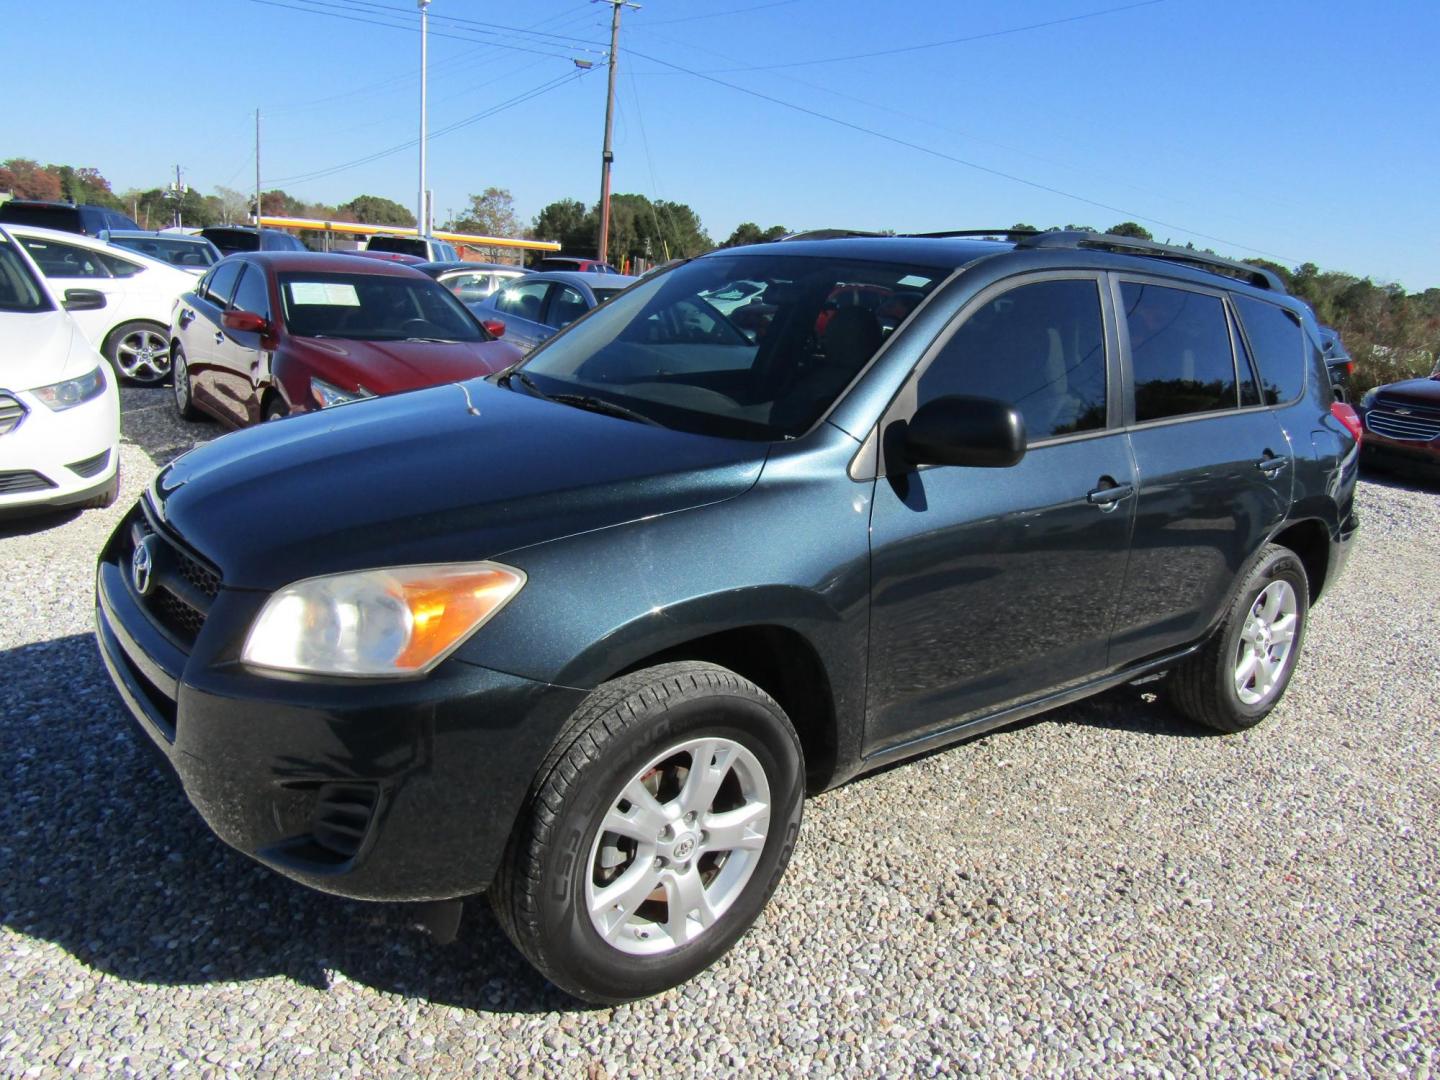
<point>230,240</point>
<point>252,295</point>
<point>1040,347</point>
<point>64,260</point>
<point>19,291</point>
<point>399,245</point>
<point>374,307</point>
<point>522,301</point>
<point>1180,351</point>
<point>566,306</point>
<point>177,252</point>
<point>1249,391</point>
<point>65,218</point>
<point>117,266</point>
<point>222,285</point>
<point>1278,345</point>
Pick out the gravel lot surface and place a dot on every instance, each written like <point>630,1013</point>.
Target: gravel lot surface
<point>1103,891</point>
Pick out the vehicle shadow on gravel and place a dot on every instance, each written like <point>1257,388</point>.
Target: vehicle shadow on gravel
<point>27,524</point>
<point>148,420</point>
<point>102,856</point>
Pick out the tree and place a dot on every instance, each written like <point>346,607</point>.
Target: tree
<point>84,185</point>
<point>278,204</point>
<point>747,232</point>
<point>25,179</point>
<point>491,213</point>
<point>232,207</point>
<point>1132,230</point>
<point>570,223</point>
<point>375,210</point>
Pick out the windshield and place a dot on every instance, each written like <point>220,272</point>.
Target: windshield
<point>176,252</point>
<point>400,245</point>
<point>19,291</point>
<point>745,346</point>
<point>374,307</point>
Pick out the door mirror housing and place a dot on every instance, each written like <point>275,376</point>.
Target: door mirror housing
<point>977,432</point>
<point>83,300</point>
<point>245,321</point>
<point>493,327</point>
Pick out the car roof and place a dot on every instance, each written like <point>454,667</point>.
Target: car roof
<point>446,265</point>
<point>589,280</point>
<point>949,251</point>
<point>321,262</point>
<point>150,234</point>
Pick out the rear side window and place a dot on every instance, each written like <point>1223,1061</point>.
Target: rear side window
<point>64,260</point>
<point>1278,345</point>
<point>1039,347</point>
<point>222,284</point>
<point>117,266</point>
<point>1179,350</point>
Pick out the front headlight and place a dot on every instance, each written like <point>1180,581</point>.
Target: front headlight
<point>1368,401</point>
<point>66,395</point>
<point>378,623</point>
<point>328,394</point>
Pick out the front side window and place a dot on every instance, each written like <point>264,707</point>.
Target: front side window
<point>1180,351</point>
<point>1039,347</point>
<point>374,307</point>
<point>118,267</point>
<point>1278,345</point>
<point>252,294</point>
<point>19,291</point>
<point>64,260</point>
<point>566,306</point>
<point>222,283</point>
<point>767,369</point>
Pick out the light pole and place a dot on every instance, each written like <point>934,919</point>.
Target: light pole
<point>421,216</point>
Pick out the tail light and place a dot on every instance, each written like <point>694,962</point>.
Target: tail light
<point>1347,416</point>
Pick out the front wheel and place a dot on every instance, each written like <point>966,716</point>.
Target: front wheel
<point>1234,681</point>
<point>183,387</point>
<point>139,351</point>
<point>656,831</point>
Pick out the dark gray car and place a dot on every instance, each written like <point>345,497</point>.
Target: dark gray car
<point>534,308</point>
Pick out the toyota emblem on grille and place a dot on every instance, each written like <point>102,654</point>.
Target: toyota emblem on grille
<point>142,563</point>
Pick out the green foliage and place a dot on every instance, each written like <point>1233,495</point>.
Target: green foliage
<point>1132,230</point>
<point>639,229</point>
<point>747,232</point>
<point>376,210</point>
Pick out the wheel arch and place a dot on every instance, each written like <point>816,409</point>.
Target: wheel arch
<point>1309,539</point>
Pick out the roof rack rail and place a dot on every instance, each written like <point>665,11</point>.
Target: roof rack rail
<point>970,232</point>
<point>828,234</point>
<point>1126,245</point>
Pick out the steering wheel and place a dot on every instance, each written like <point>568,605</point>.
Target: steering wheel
<point>421,328</point>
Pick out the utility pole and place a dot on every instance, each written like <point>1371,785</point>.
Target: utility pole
<point>423,217</point>
<point>177,193</point>
<point>609,155</point>
<point>257,172</point>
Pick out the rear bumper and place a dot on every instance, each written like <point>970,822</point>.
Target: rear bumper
<point>377,790</point>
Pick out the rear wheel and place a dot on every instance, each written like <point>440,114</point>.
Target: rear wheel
<point>1234,681</point>
<point>275,409</point>
<point>180,383</point>
<point>139,351</point>
<point>656,832</point>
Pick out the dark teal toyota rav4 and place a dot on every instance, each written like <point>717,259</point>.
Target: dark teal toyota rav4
<point>582,634</point>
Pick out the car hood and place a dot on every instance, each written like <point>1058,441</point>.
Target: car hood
<point>1425,391</point>
<point>387,366</point>
<point>38,348</point>
<point>451,473</point>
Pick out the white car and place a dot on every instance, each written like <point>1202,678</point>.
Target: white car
<point>59,406</point>
<point>132,329</point>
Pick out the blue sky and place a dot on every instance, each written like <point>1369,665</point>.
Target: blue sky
<point>1303,131</point>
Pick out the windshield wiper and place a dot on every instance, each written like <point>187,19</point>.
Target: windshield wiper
<point>436,340</point>
<point>601,405</point>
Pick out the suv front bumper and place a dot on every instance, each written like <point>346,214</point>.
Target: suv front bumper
<point>375,790</point>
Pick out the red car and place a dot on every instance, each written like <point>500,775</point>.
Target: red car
<point>266,334</point>
<point>1402,424</point>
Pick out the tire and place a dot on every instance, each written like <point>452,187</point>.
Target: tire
<point>139,352</point>
<point>107,495</point>
<point>1226,685</point>
<point>275,409</point>
<point>646,730</point>
<point>181,385</point>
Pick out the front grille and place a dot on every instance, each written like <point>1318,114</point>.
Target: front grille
<point>342,816</point>
<point>15,483</point>
<point>91,466</point>
<point>1397,420</point>
<point>181,587</point>
<point>12,411</point>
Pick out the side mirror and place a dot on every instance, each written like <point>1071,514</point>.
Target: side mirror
<point>83,300</point>
<point>245,321</point>
<point>494,327</point>
<point>981,433</point>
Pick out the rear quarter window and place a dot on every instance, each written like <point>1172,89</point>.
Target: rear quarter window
<point>1278,345</point>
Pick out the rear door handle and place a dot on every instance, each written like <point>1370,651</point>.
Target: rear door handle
<point>186,317</point>
<point>219,337</point>
<point>1271,465</point>
<point>1107,497</point>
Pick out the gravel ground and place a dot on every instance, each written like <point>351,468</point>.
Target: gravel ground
<point>1104,891</point>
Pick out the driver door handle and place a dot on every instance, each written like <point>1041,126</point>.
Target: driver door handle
<point>219,337</point>
<point>1271,465</point>
<point>1109,494</point>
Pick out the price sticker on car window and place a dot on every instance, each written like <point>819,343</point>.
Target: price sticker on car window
<point>324,293</point>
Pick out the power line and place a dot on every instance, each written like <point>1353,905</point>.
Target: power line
<point>724,14</point>
<point>487,27</point>
<point>873,53</point>
<point>931,151</point>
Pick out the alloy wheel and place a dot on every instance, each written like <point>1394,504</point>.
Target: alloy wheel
<point>1266,640</point>
<point>143,355</point>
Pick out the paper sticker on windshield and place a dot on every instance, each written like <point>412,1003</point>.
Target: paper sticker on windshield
<point>913,281</point>
<point>326,293</point>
